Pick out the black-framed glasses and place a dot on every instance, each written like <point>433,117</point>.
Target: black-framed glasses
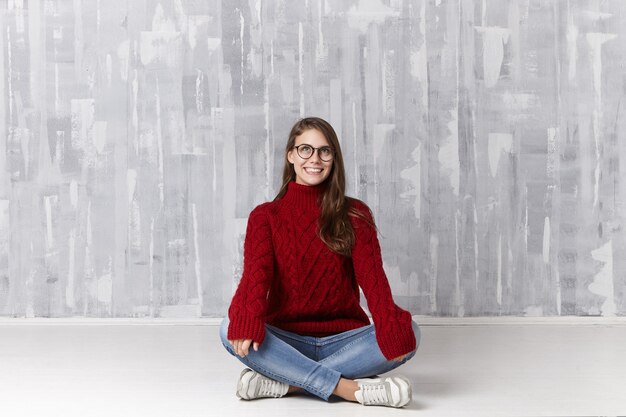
<point>306,151</point>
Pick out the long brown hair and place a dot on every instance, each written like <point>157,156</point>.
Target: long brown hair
<point>335,228</point>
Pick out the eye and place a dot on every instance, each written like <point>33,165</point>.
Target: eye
<point>305,149</point>
<point>325,151</point>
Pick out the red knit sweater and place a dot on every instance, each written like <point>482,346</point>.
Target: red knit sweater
<point>292,281</point>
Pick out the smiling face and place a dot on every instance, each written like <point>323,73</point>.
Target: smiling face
<point>311,171</point>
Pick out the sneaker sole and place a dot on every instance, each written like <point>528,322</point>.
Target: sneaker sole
<point>240,383</point>
<point>409,389</point>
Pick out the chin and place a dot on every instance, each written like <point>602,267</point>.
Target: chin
<point>312,181</point>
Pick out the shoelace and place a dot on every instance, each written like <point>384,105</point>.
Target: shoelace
<point>374,394</point>
<point>270,388</point>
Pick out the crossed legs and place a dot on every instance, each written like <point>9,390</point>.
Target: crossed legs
<point>320,366</point>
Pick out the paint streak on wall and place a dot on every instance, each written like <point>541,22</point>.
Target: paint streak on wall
<point>486,135</point>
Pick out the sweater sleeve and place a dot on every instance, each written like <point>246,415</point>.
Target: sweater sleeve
<point>394,331</point>
<point>249,304</point>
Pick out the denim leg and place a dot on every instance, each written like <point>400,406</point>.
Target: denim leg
<point>356,354</point>
<point>280,361</point>
<point>307,345</point>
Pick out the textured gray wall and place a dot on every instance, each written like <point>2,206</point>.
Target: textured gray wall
<point>488,136</point>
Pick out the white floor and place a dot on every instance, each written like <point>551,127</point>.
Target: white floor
<point>182,371</point>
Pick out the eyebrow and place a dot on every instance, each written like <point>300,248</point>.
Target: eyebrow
<point>308,144</point>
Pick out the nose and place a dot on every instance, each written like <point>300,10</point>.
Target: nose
<point>315,157</point>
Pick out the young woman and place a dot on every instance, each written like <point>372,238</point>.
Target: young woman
<point>295,318</point>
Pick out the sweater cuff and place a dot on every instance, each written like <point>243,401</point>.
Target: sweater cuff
<point>243,327</point>
<point>395,341</point>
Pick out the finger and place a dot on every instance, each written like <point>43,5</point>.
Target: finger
<point>255,345</point>
<point>238,347</point>
<point>245,346</point>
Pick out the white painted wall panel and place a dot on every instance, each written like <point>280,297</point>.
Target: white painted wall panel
<point>487,136</point>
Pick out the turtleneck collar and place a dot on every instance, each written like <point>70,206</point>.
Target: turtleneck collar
<point>303,196</point>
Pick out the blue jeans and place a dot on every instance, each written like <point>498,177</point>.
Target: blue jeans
<point>317,363</point>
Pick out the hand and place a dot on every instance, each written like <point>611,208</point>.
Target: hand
<point>399,358</point>
<point>242,346</point>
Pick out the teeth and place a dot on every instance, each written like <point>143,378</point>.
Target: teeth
<point>317,170</point>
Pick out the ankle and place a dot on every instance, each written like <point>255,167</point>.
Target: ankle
<point>346,388</point>
<point>293,389</point>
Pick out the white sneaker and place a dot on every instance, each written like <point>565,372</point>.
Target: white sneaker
<point>253,385</point>
<point>393,391</point>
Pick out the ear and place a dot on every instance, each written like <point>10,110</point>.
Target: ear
<point>290,156</point>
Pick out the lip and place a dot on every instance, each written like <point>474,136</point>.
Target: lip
<point>306,169</point>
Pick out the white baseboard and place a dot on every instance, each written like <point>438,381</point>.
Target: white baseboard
<point>112,321</point>
<point>421,320</point>
<point>520,321</point>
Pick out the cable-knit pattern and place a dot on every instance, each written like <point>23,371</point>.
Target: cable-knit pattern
<point>293,281</point>
<point>249,306</point>
<point>394,330</point>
